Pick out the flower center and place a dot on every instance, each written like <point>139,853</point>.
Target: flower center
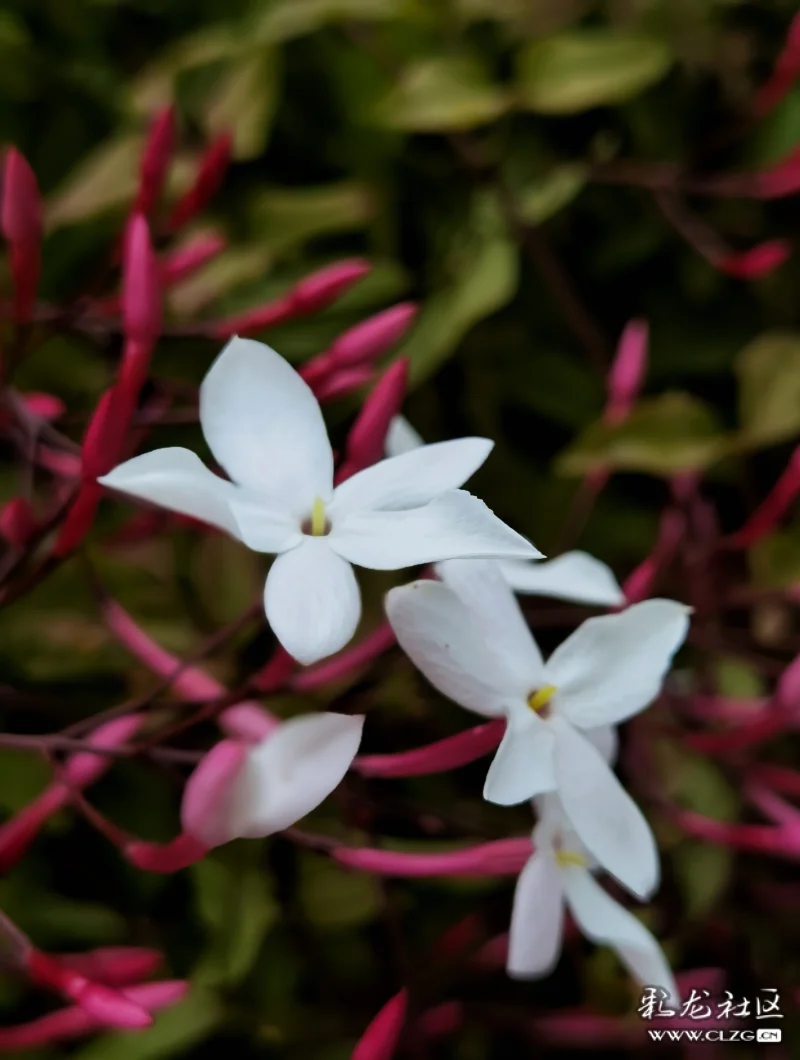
<point>571,857</point>
<point>317,524</point>
<point>538,701</point>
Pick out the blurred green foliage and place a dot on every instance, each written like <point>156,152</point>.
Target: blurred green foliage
<point>457,144</point>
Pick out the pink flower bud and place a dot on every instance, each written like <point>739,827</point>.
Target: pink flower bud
<point>21,218</point>
<point>502,857</point>
<point>114,965</point>
<point>781,842</point>
<point>141,294</point>
<point>627,372</point>
<point>206,806</point>
<point>80,519</point>
<point>210,174</point>
<point>784,73</point>
<point>85,768</point>
<point>779,180</point>
<point>102,440</point>
<point>17,522</point>
<point>186,260</point>
<point>438,757</point>
<point>754,263</point>
<point>156,158</point>
<point>342,664</point>
<point>443,1020</point>
<point>341,383</point>
<point>46,406</point>
<point>781,778</point>
<point>372,337</point>
<point>109,1007</point>
<point>773,507</point>
<point>253,320</point>
<point>771,805</point>
<point>379,1040</point>
<point>317,291</point>
<point>367,438</point>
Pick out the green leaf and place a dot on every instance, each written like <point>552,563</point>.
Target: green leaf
<point>440,95</point>
<point>775,560</point>
<point>235,904</point>
<point>579,70</point>
<point>287,217</point>
<point>768,370</point>
<point>664,435</point>
<point>483,280</point>
<point>244,102</point>
<point>284,19</point>
<point>542,199</point>
<point>175,1031</point>
<point>704,872</point>
<point>23,775</point>
<point>209,45</point>
<point>333,897</point>
<point>735,678</point>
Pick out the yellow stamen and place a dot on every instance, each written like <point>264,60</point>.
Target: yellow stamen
<point>540,699</point>
<point>318,521</point>
<point>569,857</point>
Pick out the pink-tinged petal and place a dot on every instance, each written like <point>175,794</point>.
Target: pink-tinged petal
<point>627,371</point>
<point>503,857</point>
<point>141,290</point>
<point>312,600</point>
<point>379,1040</point>
<point>156,157</point>
<point>604,816</point>
<point>439,757</point>
<point>155,996</point>
<point>111,1008</point>
<point>210,175</point>
<point>523,765</point>
<point>441,637</point>
<point>784,73</point>
<point>603,920</point>
<point>170,857</point>
<point>177,479</point>
<point>114,965</point>
<point>537,919</point>
<point>207,805</point>
<point>345,662</point>
<point>454,525</point>
<point>264,426</point>
<point>372,337</point>
<point>367,437</point>
<point>410,480</point>
<point>291,772</point>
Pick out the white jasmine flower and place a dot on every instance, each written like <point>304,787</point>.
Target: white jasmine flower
<point>575,576</point>
<point>264,426</point>
<point>560,873</point>
<point>468,636</point>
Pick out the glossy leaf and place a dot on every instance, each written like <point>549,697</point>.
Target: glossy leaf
<point>768,370</point>
<point>441,94</point>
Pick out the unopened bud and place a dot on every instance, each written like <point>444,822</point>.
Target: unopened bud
<point>373,337</point>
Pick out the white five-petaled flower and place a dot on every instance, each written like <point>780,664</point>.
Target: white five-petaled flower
<point>575,576</point>
<point>559,874</point>
<point>264,427</point>
<point>239,792</point>
<point>468,636</point>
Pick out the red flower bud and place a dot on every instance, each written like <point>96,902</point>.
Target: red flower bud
<point>374,336</point>
<point>317,291</point>
<point>210,174</point>
<point>21,218</point>
<point>156,158</point>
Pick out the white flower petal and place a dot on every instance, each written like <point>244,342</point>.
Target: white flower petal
<point>312,600</point>
<point>401,437</point>
<point>613,666</point>
<point>606,819</point>
<point>455,524</point>
<point>263,528</point>
<point>264,426</point>
<point>603,920</point>
<point>523,763</point>
<point>574,576</point>
<point>480,586</point>
<point>442,639</point>
<point>411,479</point>
<point>177,479</point>
<point>606,740</point>
<point>537,919</point>
<point>290,772</point>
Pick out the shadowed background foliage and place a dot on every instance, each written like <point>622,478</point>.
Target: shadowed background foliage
<point>519,167</point>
